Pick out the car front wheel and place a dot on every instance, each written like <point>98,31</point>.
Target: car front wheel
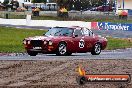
<point>96,49</point>
<point>32,53</point>
<point>62,49</point>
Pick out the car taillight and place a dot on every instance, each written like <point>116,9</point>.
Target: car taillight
<point>106,39</point>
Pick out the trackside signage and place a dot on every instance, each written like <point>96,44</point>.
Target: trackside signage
<point>98,78</point>
<point>111,26</point>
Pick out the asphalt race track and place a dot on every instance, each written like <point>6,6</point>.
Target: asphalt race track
<point>106,54</point>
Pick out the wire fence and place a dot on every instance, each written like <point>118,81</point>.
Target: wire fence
<point>72,14</point>
<point>13,15</point>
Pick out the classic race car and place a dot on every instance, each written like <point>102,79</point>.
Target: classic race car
<point>65,41</point>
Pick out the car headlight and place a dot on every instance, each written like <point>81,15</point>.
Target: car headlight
<point>45,42</point>
<point>28,42</point>
<point>50,42</point>
<point>24,42</point>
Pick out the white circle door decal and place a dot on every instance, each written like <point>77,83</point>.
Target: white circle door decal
<point>81,43</point>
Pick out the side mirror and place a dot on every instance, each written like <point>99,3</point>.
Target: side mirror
<point>75,36</point>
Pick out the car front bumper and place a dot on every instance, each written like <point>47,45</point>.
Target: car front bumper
<point>46,49</point>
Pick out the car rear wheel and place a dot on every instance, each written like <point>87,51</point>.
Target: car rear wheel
<point>62,49</point>
<point>96,49</point>
<point>69,53</point>
<point>32,53</point>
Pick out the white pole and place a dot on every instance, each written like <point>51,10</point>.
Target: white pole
<point>47,0</point>
<point>116,6</point>
<point>123,4</point>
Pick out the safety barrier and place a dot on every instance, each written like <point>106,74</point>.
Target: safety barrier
<point>45,23</point>
<point>130,12</point>
<point>54,23</point>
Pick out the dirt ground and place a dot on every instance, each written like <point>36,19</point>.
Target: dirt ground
<point>59,74</point>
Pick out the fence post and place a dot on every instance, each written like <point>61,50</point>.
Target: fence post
<point>28,19</point>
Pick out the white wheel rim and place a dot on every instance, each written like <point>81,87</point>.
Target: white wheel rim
<point>97,48</point>
<point>62,49</point>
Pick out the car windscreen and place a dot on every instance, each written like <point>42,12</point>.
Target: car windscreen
<point>59,32</point>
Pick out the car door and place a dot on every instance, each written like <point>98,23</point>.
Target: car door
<point>79,41</point>
<point>89,39</point>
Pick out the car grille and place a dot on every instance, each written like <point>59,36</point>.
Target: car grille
<point>36,43</point>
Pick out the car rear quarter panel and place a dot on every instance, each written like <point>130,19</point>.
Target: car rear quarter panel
<point>103,42</point>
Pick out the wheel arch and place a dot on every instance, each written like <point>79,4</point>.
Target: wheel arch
<point>62,42</point>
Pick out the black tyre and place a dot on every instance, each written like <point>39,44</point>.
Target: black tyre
<point>32,53</point>
<point>96,49</point>
<point>69,53</point>
<point>62,49</point>
<point>81,80</point>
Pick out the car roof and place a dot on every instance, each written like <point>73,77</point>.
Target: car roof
<point>72,27</point>
<point>75,27</point>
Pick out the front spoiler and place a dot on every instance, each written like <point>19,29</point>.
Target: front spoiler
<point>42,51</point>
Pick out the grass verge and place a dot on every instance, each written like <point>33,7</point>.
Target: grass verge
<point>11,39</point>
<point>117,43</point>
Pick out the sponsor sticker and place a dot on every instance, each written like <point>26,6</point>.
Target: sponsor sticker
<point>111,26</point>
<point>37,47</point>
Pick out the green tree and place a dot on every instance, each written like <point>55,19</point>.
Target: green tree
<point>43,1</point>
<point>5,2</point>
<point>15,5</point>
<point>63,3</point>
<point>38,1</point>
